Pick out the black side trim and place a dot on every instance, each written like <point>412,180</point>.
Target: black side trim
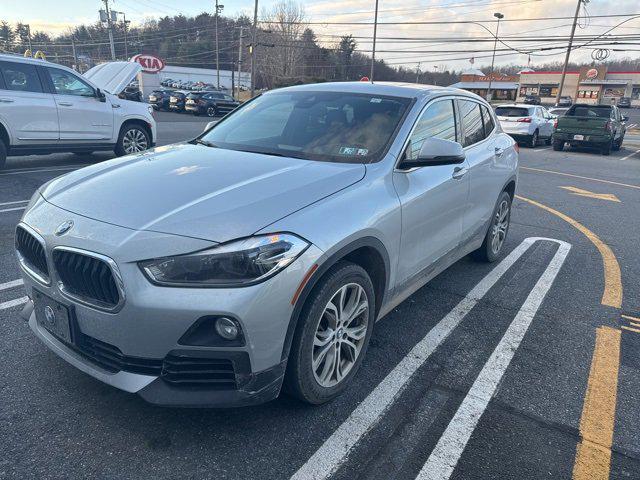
<point>322,269</point>
<point>46,149</point>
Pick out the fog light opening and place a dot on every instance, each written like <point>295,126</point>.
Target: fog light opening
<point>227,328</point>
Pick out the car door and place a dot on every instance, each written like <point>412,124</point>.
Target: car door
<point>83,117</point>
<point>547,122</point>
<point>25,106</point>
<point>432,198</point>
<point>483,151</point>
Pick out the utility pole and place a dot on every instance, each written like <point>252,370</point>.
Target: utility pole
<point>418,73</point>
<point>239,59</point>
<point>499,16</point>
<point>75,56</point>
<point>254,36</point>
<point>110,29</point>
<point>218,10</point>
<point>373,50</point>
<point>566,58</point>
<point>29,36</point>
<point>125,23</point>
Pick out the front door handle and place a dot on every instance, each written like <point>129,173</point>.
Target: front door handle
<point>65,104</point>
<point>459,172</point>
<point>499,151</point>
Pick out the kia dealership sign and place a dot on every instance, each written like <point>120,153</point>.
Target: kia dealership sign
<point>150,63</point>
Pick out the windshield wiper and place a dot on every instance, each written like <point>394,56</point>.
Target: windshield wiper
<point>206,143</point>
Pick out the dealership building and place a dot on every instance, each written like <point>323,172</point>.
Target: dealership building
<point>587,85</point>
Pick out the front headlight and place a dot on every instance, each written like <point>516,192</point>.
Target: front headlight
<point>235,264</point>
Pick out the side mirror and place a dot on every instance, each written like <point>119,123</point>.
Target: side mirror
<point>210,125</point>
<point>625,118</point>
<point>436,151</point>
<point>100,95</point>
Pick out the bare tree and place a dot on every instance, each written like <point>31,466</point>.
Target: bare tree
<point>281,44</point>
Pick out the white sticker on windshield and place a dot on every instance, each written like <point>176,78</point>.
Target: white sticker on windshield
<point>375,100</point>
<point>362,152</point>
<point>348,150</point>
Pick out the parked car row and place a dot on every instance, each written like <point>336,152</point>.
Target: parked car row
<point>596,126</point>
<point>209,103</point>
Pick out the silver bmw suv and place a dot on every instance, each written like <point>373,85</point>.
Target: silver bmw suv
<point>260,255</point>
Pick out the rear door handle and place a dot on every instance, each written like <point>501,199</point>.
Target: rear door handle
<point>499,151</point>
<point>459,172</point>
<point>65,104</point>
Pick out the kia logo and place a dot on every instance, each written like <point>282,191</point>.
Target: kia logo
<point>150,63</point>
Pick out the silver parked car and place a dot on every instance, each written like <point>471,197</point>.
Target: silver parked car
<point>261,254</point>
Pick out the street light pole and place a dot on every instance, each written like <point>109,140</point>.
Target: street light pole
<point>373,50</point>
<point>566,58</point>
<point>499,16</point>
<point>240,59</point>
<point>218,10</point>
<point>125,23</point>
<point>254,33</point>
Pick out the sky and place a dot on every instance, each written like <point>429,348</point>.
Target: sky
<point>57,17</point>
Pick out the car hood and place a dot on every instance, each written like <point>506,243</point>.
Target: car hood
<point>198,191</point>
<point>113,77</point>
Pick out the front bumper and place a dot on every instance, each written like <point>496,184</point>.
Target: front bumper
<point>148,329</point>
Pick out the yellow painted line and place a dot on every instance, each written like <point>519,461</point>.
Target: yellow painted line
<point>629,317</point>
<point>580,176</point>
<point>612,295</point>
<point>593,455</point>
<point>586,193</point>
<point>637,330</point>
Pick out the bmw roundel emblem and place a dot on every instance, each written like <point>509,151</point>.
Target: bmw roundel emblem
<point>64,227</point>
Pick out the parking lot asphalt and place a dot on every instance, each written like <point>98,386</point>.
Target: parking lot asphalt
<point>523,369</point>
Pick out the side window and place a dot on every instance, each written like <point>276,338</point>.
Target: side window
<point>228,98</point>
<point>65,83</point>
<point>439,121</point>
<point>487,119</point>
<point>21,77</point>
<point>472,120</point>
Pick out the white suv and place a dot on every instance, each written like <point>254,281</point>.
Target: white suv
<point>47,108</point>
<point>526,123</point>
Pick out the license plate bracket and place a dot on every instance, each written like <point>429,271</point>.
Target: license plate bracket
<point>578,137</point>
<point>53,316</point>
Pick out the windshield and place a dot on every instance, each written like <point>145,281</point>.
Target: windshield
<point>512,112</point>
<point>329,126</point>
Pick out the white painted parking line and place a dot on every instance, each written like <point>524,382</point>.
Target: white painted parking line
<point>541,150</point>
<point>630,155</point>
<point>633,125</point>
<point>335,450</point>
<point>444,457</point>
<point>37,170</point>
<point>13,303</point>
<point>11,284</point>
<point>13,203</point>
<point>14,209</point>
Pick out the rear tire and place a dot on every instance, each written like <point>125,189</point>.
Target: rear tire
<point>311,376</point>
<point>558,145</point>
<point>211,112</point>
<point>3,154</point>
<point>533,141</point>
<point>618,145</point>
<point>497,233</point>
<point>606,149</point>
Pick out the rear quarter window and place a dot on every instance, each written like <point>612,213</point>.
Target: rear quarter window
<point>21,77</point>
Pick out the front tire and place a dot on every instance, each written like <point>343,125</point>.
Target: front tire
<point>332,335</point>
<point>3,154</point>
<point>211,111</point>
<point>558,145</point>
<point>533,141</point>
<point>133,138</point>
<point>606,148</point>
<point>497,233</point>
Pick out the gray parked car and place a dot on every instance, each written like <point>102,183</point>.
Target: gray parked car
<point>261,254</point>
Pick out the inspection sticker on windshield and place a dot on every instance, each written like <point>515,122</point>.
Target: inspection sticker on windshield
<point>353,151</point>
<point>375,100</point>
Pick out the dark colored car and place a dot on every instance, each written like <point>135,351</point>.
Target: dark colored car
<point>176,101</point>
<point>191,101</point>
<point>564,101</point>
<point>131,93</point>
<point>624,102</point>
<point>213,104</point>
<point>532,100</point>
<point>596,126</point>
<point>159,99</point>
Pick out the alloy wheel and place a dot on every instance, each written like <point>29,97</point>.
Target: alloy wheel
<point>134,141</point>
<point>340,335</point>
<point>211,112</point>
<point>500,226</point>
